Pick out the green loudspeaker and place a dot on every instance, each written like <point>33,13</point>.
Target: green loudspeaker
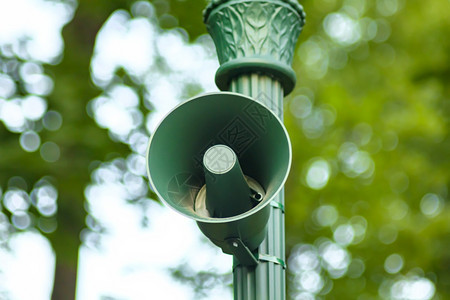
<point>220,159</point>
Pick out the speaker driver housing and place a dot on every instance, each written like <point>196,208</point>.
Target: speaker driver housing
<point>250,129</point>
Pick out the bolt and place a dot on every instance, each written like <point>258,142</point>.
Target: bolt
<point>235,244</point>
<point>257,196</point>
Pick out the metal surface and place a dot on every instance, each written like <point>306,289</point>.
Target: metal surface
<point>256,190</point>
<point>255,42</point>
<point>241,252</point>
<point>176,168</point>
<point>268,278</point>
<point>255,37</point>
<point>227,191</point>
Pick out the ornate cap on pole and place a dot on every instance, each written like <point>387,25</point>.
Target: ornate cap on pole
<point>255,36</point>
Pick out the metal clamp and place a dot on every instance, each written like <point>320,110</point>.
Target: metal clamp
<point>241,252</point>
<point>278,205</point>
<point>273,259</point>
<point>247,258</point>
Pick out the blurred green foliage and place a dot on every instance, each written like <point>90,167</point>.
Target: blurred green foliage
<point>372,104</point>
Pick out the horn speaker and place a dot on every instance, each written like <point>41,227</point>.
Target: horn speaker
<point>220,159</point>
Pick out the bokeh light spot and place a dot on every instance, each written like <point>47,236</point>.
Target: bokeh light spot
<point>12,115</point>
<point>135,185</point>
<point>383,31</point>
<point>47,225</point>
<point>50,152</point>
<point>111,113</point>
<point>390,140</point>
<point>4,228</point>
<point>359,225</point>
<point>335,258</point>
<point>397,209</point>
<point>29,69</point>
<point>387,234</point>
<point>344,234</point>
<point>137,164</point>
<point>318,174</point>
<point>124,95</point>
<point>431,205</point>
<point>7,86</point>
<point>301,106</point>
<point>21,220</point>
<point>18,183</point>
<point>52,120</point>
<point>311,281</point>
<point>387,7</point>
<point>120,34</point>
<point>313,53</point>
<point>16,200</point>
<point>393,263</point>
<point>30,141</point>
<point>45,198</point>
<point>370,28</point>
<point>303,258</point>
<point>33,27</point>
<point>33,107</point>
<point>314,124</point>
<point>414,288</point>
<point>138,141</point>
<point>39,84</point>
<point>362,133</point>
<point>142,9</point>
<point>355,162</point>
<point>356,268</point>
<point>342,28</point>
<point>326,215</point>
<point>399,182</point>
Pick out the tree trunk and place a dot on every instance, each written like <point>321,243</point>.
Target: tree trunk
<point>81,141</point>
<point>64,286</point>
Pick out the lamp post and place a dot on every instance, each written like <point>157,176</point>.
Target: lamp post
<point>255,41</point>
<point>222,158</point>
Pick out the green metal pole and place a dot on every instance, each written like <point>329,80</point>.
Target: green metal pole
<point>255,41</point>
<point>268,279</point>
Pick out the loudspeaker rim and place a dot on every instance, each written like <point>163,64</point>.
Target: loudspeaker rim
<point>250,212</point>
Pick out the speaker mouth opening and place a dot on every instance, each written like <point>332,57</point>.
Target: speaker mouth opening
<point>200,203</point>
<point>175,151</point>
